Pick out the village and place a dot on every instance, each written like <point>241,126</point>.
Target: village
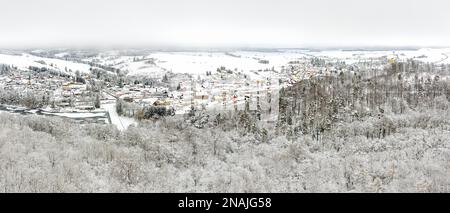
<point>66,96</point>
<point>88,98</point>
<point>52,95</point>
<point>207,93</point>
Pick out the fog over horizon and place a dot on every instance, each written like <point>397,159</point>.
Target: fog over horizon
<point>223,24</point>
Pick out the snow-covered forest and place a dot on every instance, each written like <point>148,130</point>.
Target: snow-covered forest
<point>52,155</point>
<point>353,131</point>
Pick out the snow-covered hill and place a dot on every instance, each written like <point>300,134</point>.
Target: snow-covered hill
<point>425,55</point>
<point>198,63</point>
<point>156,64</point>
<point>24,61</point>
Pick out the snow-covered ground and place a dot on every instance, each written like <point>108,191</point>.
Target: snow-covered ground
<point>77,115</point>
<point>142,69</point>
<point>121,122</point>
<point>24,61</point>
<point>157,63</point>
<point>432,55</point>
<point>197,63</point>
<point>200,62</point>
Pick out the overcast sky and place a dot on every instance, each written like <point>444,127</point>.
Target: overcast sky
<point>222,23</point>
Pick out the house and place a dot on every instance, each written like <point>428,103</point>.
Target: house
<point>63,104</point>
<point>148,101</point>
<point>201,96</point>
<point>128,99</point>
<point>85,107</point>
<point>161,102</point>
<point>66,94</point>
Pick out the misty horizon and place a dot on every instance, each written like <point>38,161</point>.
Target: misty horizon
<point>223,24</point>
<point>169,48</point>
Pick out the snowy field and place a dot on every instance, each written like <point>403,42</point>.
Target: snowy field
<point>121,122</point>
<point>197,63</point>
<point>77,115</point>
<point>424,55</point>
<point>24,61</point>
<point>156,64</point>
<point>194,63</point>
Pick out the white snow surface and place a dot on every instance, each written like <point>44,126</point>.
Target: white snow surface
<point>197,63</point>
<point>431,55</point>
<point>24,60</point>
<point>121,122</point>
<point>200,62</point>
<point>77,115</point>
